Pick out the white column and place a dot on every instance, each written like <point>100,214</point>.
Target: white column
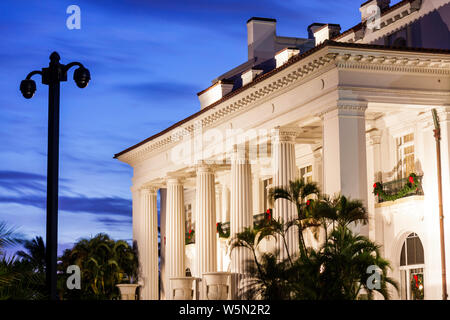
<point>175,233</point>
<point>318,167</point>
<point>205,233</point>
<point>373,175</point>
<point>258,196</point>
<point>225,203</point>
<point>241,213</point>
<point>285,170</point>
<point>219,188</point>
<point>148,252</point>
<point>344,152</point>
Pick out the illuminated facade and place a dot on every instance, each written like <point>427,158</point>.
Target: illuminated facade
<point>346,110</point>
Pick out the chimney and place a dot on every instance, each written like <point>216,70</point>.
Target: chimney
<point>369,8</point>
<point>214,93</point>
<point>284,55</point>
<point>326,32</point>
<point>250,75</point>
<point>261,33</point>
<point>312,28</point>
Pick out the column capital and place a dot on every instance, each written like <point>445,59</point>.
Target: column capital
<point>239,153</point>
<point>373,136</point>
<point>317,153</point>
<point>204,167</point>
<point>285,134</point>
<point>344,108</point>
<point>174,180</point>
<point>149,190</point>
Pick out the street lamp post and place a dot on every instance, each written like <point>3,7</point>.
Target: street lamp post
<point>437,136</point>
<point>52,76</point>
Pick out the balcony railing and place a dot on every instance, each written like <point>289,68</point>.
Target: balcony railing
<point>393,187</point>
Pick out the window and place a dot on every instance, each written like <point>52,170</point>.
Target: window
<point>411,269</point>
<point>405,155</point>
<point>306,174</point>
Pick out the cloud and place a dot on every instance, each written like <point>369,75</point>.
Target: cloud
<point>113,206</point>
<point>19,181</point>
<point>161,90</point>
<point>114,223</point>
<point>23,182</point>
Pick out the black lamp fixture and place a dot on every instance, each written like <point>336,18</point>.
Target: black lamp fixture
<point>53,76</point>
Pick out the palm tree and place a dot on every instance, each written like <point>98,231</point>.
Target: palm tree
<point>35,255</point>
<point>337,270</point>
<point>267,273</point>
<point>18,278</point>
<point>337,211</point>
<point>298,192</point>
<point>346,259</point>
<point>8,237</point>
<point>103,263</point>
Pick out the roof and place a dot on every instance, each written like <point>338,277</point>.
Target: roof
<point>327,43</point>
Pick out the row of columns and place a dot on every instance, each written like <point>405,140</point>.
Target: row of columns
<point>344,170</point>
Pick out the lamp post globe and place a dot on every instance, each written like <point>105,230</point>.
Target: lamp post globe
<point>81,77</point>
<point>28,88</point>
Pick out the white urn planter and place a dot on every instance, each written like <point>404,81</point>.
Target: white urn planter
<point>217,285</point>
<point>127,291</point>
<point>182,288</point>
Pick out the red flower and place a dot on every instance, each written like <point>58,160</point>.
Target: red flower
<point>417,280</point>
<point>411,179</point>
<point>308,202</point>
<point>378,194</point>
<point>190,231</point>
<point>375,185</point>
<point>268,211</point>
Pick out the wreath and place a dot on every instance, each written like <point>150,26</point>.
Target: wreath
<point>411,186</point>
<point>222,233</point>
<point>190,237</point>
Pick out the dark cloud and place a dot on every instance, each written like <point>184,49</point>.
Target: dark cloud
<point>19,181</point>
<point>114,223</point>
<point>113,206</point>
<point>25,182</point>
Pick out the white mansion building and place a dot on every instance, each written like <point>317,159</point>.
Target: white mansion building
<point>345,109</point>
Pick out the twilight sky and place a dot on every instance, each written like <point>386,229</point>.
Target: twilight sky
<point>147,59</point>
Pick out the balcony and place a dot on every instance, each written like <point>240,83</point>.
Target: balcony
<point>400,188</point>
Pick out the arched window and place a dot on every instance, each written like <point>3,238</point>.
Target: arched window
<point>412,263</point>
<point>399,42</point>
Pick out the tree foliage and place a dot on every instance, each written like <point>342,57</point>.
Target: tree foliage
<point>103,263</point>
<point>338,268</point>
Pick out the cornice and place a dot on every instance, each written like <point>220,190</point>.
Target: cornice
<point>294,74</point>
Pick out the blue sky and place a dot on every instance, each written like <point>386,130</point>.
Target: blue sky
<point>147,59</point>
